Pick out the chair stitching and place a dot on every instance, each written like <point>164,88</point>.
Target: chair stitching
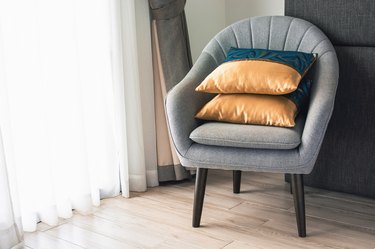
<point>269,33</point>
<point>318,44</point>
<point>304,34</point>
<point>287,33</point>
<point>329,51</point>
<point>220,46</point>
<point>235,36</point>
<point>213,57</point>
<point>251,33</point>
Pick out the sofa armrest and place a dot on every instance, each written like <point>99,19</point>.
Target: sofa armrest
<point>183,102</point>
<point>322,100</point>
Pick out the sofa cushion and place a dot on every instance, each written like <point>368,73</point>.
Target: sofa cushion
<point>258,71</point>
<point>249,136</point>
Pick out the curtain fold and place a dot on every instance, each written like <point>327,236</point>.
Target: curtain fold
<point>58,124</point>
<point>76,107</point>
<point>171,62</point>
<point>11,235</point>
<point>138,95</point>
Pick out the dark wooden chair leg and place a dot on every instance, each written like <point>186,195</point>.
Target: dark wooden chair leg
<point>290,188</point>
<point>200,188</point>
<point>288,176</point>
<point>299,203</point>
<point>236,181</point>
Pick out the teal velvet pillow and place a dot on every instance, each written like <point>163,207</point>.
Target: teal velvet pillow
<point>301,95</point>
<point>300,61</point>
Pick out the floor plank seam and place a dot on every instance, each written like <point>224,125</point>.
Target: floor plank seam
<point>223,247</point>
<point>53,227</point>
<point>237,205</point>
<point>367,203</point>
<point>348,225</point>
<point>268,206</point>
<point>67,241</point>
<point>338,210</point>
<point>70,242</point>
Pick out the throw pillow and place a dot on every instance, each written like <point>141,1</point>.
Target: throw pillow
<point>256,108</point>
<point>258,71</point>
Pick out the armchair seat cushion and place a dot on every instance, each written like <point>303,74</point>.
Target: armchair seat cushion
<point>249,136</point>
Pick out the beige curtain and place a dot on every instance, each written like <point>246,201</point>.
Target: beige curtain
<point>171,62</point>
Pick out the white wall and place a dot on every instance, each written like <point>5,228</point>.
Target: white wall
<point>205,18</point>
<point>236,10</point>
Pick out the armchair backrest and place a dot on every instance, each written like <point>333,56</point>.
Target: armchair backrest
<point>292,34</point>
<point>269,32</point>
<point>278,33</point>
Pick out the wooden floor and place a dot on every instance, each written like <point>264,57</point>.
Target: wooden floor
<point>262,216</point>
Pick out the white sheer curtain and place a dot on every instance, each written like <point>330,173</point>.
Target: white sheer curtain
<point>11,234</point>
<point>135,45</point>
<point>10,222</point>
<point>72,110</point>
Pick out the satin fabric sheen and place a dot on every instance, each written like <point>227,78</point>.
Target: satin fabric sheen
<point>251,76</point>
<point>250,109</point>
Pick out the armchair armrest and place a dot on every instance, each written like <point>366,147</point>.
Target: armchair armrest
<point>182,103</point>
<point>322,100</point>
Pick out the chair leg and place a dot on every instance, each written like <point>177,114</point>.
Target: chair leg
<point>299,203</point>
<point>290,187</point>
<point>200,188</point>
<point>236,181</point>
<point>290,183</point>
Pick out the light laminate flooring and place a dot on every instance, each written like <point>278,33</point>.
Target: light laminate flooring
<point>261,216</point>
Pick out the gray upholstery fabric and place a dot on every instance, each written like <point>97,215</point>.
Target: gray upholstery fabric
<point>347,160</point>
<point>278,32</point>
<point>249,136</point>
<point>345,22</point>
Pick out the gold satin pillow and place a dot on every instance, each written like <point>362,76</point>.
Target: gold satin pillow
<point>250,109</point>
<point>251,76</point>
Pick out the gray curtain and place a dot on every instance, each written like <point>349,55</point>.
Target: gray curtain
<point>171,62</point>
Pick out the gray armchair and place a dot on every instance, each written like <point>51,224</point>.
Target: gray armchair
<point>250,147</point>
